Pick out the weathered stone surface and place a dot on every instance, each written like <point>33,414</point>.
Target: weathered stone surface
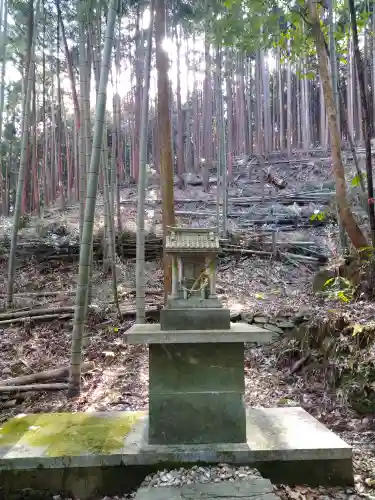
<point>272,328</point>
<point>196,393</point>
<point>196,319</point>
<point>195,302</point>
<point>251,489</point>
<point>238,332</point>
<point>196,368</point>
<point>260,319</point>
<point>285,324</point>
<point>248,318</point>
<point>302,315</point>
<point>197,418</point>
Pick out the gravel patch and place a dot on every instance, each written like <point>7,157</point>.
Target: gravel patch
<point>199,474</point>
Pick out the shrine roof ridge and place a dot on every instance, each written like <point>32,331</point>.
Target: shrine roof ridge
<point>189,239</point>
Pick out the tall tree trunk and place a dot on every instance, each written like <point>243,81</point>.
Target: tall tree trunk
<point>266,104</point>
<point>207,115</point>
<point>140,249</point>
<point>69,63</point>
<point>29,84</point>
<point>222,159</point>
<point>258,97</point>
<point>188,113</point>
<point>4,35</point>
<point>354,232</point>
<point>366,122</point>
<point>166,164</point>
<point>289,105</point>
<point>350,92</point>
<point>138,94</point>
<point>373,64</point>
<point>281,101</point>
<point>333,61</point>
<point>88,226</point>
<point>228,83</point>
<point>180,116</point>
<point>82,150</point>
<point>249,98</point>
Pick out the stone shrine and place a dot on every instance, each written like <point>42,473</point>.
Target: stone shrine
<point>193,300</point>
<point>196,356</point>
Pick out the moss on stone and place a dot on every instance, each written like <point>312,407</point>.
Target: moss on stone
<point>69,434</point>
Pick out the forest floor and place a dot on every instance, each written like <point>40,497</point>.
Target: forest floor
<point>119,378</point>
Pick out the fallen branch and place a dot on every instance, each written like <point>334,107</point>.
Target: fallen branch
<point>56,373</point>
<point>302,258</point>
<point>148,291</point>
<point>42,294</point>
<point>245,251</point>
<point>43,317</point>
<point>36,312</point>
<point>321,196</point>
<point>299,364</point>
<point>7,389</point>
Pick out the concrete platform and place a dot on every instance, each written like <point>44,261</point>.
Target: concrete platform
<point>88,455</point>
<point>238,332</point>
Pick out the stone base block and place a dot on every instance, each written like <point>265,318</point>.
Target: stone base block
<point>197,418</point>
<point>195,319</point>
<point>197,393</point>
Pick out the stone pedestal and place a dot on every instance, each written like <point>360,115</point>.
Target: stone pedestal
<point>197,393</point>
<point>196,388</point>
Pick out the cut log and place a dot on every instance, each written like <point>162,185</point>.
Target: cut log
<point>304,198</point>
<point>43,317</point>
<point>41,250</point>
<point>301,258</point>
<point>54,374</point>
<point>36,312</point>
<point>42,294</point>
<point>275,180</point>
<point>10,389</point>
<point>148,291</point>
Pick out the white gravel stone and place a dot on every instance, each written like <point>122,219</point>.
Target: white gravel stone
<point>199,474</point>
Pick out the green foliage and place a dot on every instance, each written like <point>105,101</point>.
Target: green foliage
<point>318,215</point>
<point>338,288</point>
<point>367,250</point>
<point>250,25</point>
<point>356,181</point>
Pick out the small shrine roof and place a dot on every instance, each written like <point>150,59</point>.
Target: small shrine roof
<point>192,240</point>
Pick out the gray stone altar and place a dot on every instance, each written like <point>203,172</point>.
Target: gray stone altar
<point>196,357</point>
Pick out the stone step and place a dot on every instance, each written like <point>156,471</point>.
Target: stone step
<point>246,489</point>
